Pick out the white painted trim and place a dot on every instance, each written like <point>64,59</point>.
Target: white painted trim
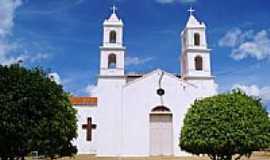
<point>198,77</point>
<point>115,48</point>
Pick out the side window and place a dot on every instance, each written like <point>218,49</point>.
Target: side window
<point>112,61</point>
<point>198,63</point>
<point>197,39</point>
<point>112,37</point>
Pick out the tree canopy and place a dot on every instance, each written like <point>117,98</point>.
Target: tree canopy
<point>226,126</point>
<point>36,115</point>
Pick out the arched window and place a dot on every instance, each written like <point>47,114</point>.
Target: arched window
<point>112,61</point>
<point>198,63</point>
<point>161,109</point>
<point>197,39</point>
<point>112,37</point>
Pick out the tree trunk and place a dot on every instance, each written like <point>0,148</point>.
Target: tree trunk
<point>212,156</point>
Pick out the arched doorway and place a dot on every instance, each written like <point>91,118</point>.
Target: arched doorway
<point>161,132</point>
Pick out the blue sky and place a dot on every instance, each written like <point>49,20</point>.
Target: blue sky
<point>63,36</point>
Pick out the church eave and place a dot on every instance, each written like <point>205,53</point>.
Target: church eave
<point>85,105</point>
<point>151,73</point>
<point>83,101</point>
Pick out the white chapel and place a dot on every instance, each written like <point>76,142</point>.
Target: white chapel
<point>142,114</point>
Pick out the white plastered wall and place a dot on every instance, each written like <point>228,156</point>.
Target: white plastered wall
<point>120,58</point>
<point>83,146</point>
<point>140,97</point>
<point>109,115</point>
<point>206,72</point>
<point>119,36</point>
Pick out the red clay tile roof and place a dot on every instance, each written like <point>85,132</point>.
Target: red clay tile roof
<point>81,101</point>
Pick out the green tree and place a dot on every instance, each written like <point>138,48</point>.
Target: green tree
<point>226,126</point>
<point>35,115</point>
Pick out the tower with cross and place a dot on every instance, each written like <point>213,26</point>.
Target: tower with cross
<point>112,73</point>
<point>112,50</point>
<point>195,55</point>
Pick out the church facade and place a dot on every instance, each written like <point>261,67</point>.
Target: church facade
<point>142,114</point>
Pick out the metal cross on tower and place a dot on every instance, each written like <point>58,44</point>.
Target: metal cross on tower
<point>114,9</point>
<point>191,10</point>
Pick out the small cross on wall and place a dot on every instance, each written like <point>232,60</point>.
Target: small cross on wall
<point>89,127</point>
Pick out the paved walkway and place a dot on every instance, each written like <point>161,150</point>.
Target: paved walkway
<point>257,156</point>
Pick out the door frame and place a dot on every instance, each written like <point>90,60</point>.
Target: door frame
<point>161,110</point>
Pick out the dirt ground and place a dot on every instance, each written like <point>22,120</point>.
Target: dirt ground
<point>255,156</point>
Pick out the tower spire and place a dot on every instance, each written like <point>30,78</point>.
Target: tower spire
<point>113,19</point>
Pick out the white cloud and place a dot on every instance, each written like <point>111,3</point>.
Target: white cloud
<point>172,1</point>
<point>137,60</point>
<point>254,90</point>
<point>247,44</point>
<point>235,37</point>
<point>258,48</point>
<point>188,1</point>
<point>91,90</point>
<point>7,48</point>
<point>231,38</point>
<point>165,1</point>
<point>55,77</point>
<point>7,15</point>
<point>37,57</point>
<point>79,1</point>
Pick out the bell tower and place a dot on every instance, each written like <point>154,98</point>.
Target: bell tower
<point>112,52</point>
<point>110,84</point>
<point>195,57</point>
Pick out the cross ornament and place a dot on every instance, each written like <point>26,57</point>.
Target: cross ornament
<point>89,127</point>
<point>114,9</point>
<point>191,10</point>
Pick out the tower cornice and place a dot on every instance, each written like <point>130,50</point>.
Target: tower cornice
<point>198,77</point>
<point>112,48</point>
<point>201,50</point>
